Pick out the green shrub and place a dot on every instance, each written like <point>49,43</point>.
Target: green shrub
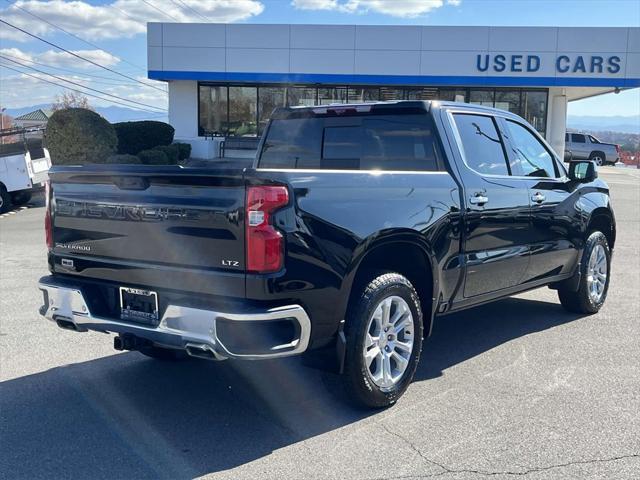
<point>184,150</point>
<point>77,136</point>
<point>131,159</point>
<point>153,157</point>
<point>171,151</point>
<point>133,137</point>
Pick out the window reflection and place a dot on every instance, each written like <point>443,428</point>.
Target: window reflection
<point>301,96</point>
<point>269,98</point>
<point>242,111</point>
<point>213,110</point>
<point>327,96</point>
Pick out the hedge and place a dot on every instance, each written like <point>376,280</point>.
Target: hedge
<point>77,136</point>
<point>134,137</point>
<point>153,157</point>
<point>171,151</point>
<point>184,150</point>
<point>119,159</point>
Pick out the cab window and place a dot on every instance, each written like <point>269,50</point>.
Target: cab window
<point>530,157</point>
<point>578,138</point>
<point>482,146</point>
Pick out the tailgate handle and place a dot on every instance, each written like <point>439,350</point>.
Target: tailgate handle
<point>131,183</point>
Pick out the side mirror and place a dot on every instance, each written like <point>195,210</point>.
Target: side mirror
<point>583,171</point>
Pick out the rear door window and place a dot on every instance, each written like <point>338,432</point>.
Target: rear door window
<point>578,138</point>
<point>482,146</point>
<point>355,142</point>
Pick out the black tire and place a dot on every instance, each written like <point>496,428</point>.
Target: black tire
<point>599,158</point>
<point>580,301</point>
<point>5,200</point>
<point>357,379</point>
<point>20,198</point>
<point>164,354</point>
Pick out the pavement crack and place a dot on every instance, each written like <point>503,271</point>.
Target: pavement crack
<point>444,469</point>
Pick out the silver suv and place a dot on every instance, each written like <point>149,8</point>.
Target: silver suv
<point>583,146</point>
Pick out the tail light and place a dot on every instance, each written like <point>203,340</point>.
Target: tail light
<point>265,244</point>
<point>48,227</point>
<point>618,150</point>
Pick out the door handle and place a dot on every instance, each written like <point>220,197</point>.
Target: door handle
<point>479,198</point>
<point>538,197</point>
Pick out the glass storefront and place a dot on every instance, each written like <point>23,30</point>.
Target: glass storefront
<point>244,110</point>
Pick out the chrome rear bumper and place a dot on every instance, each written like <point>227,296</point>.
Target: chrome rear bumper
<point>186,328</point>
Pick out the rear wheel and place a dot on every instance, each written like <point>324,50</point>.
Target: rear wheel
<point>165,354</point>
<point>20,198</point>
<point>595,266</point>
<point>384,341</point>
<point>5,200</point>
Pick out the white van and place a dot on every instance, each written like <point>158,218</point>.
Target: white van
<point>24,168</point>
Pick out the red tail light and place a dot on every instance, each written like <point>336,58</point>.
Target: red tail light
<point>48,227</point>
<point>265,245</point>
<point>618,149</point>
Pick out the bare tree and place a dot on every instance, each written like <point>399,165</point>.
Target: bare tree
<point>71,100</point>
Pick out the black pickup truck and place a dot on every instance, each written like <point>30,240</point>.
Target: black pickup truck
<point>353,229</point>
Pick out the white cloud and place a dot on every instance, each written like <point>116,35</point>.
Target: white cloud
<point>55,58</point>
<point>396,8</point>
<point>14,86</point>
<point>455,3</point>
<point>122,18</point>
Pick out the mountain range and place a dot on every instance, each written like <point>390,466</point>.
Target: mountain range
<point>625,124</point>
<point>112,113</point>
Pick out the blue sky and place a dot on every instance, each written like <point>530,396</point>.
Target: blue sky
<point>117,26</point>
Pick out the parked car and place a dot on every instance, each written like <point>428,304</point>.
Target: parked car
<point>583,146</point>
<point>356,226</point>
<point>23,169</point>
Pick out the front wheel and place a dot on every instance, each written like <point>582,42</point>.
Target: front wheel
<point>598,158</point>
<point>595,267</point>
<point>384,341</point>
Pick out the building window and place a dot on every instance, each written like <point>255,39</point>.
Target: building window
<point>243,102</point>
<point>363,95</point>
<point>481,97</point>
<point>452,94</point>
<point>508,100</point>
<point>244,110</point>
<point>213,110</point>
<point>269,98</point>
<point>327,96</point>
<point>534,109</point>
<point>301,96</point>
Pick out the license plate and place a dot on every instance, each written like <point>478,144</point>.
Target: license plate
<point>138,305</point>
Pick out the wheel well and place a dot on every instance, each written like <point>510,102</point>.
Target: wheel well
<point>603,223</point>
<point>404,258</point>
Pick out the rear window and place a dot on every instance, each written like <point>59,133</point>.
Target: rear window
<point>365,142</point>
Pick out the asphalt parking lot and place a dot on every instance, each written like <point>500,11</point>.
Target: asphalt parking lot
<point>516,388</point>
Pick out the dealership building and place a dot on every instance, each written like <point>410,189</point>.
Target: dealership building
<point>224,80</point>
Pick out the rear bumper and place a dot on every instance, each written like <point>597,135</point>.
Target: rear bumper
<point>202,333</point>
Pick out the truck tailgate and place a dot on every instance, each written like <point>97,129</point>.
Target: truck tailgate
<point>165,227</point>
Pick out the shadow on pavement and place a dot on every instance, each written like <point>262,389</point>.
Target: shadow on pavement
<point>126,416</point>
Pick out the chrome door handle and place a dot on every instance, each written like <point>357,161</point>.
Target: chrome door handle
<point>479,199</point>
<point>538,197</point>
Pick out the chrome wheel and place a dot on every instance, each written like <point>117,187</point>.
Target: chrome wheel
<point>597,273</point>
<point>389,342</point>
<point>598,160</point>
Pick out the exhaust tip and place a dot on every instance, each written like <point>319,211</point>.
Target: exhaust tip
<point>201,351</point>
<point>67,324</point>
